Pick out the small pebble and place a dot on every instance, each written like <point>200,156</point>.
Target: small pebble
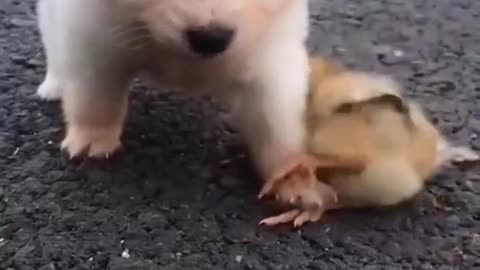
<point>398,53</point>
<point>126,254</point>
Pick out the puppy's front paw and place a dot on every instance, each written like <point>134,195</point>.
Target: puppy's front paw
<point>297,185</point>
<point>92,141</point>
<point>303,183</point>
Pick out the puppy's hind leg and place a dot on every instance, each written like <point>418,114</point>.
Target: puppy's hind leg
<point>50,88</point>
<point>94,113</point>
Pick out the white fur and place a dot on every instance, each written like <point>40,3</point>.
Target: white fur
<point>94,48</point>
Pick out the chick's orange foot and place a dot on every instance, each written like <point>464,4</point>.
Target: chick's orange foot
<point>296,185</point>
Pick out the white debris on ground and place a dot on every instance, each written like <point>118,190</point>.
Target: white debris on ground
<point>398,53</point>
<point>126,254</point>
<point>388,54</point>
<point>238,258</point>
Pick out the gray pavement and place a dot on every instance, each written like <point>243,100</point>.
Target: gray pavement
<point>182,197</point>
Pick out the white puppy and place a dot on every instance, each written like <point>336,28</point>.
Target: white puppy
<point>249,54</point>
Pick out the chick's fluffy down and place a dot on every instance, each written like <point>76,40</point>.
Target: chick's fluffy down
<point>398,149</point>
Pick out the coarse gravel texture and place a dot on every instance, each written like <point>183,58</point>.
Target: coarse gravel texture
<point>181,196</point>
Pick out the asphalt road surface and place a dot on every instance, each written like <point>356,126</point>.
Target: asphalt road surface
<point>182,195</point>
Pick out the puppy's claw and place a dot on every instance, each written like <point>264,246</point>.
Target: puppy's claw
<point>282,218</point>
<point>298,217</point>
<point>308,216</point>
<point>266,189</point>
<point>73,150</point>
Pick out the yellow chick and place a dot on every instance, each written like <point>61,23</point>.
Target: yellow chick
<point>362,118</point>
<point>373,147</point>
